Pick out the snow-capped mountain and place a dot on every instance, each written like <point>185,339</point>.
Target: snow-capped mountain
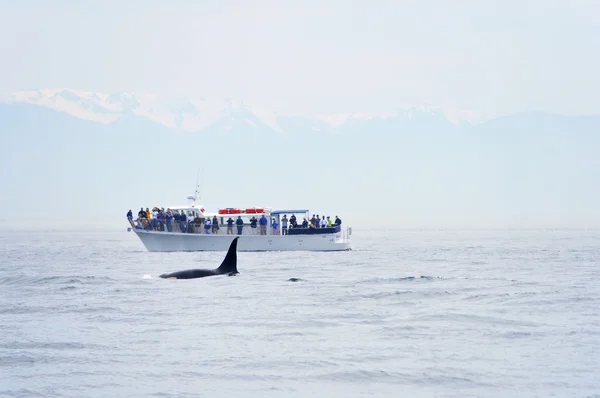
<point>198,114</point>
<point>100,151</point>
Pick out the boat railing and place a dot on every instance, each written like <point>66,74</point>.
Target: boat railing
<point>196,227</point>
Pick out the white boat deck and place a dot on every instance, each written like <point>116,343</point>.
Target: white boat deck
<point>177,241</point>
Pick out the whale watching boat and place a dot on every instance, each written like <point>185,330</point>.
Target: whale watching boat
<point>195,233</point>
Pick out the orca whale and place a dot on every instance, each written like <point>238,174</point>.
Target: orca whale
<point>228,266</point>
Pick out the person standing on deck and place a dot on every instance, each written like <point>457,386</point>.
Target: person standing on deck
<point>230,226</point>
<point>177,219</point>
<point>263,225</point>
<point>160,223</point>
<point>215,225</point>
<point>183,222</point>
<point>169,220</point>
<point>284,225</point>
<point>240,225</point>
<point>149,217</point>
<point>130,218</point>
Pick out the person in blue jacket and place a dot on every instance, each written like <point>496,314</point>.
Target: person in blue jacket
<point>239,223</point>
<point>130,218</point>
<point>263,225</point>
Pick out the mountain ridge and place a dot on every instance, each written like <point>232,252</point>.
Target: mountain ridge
<point>527,169</point>
<point>200,114</point>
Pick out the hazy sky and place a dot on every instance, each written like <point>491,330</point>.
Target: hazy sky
<point>494,57</point>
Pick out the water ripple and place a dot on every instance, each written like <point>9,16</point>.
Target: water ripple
<point>416,313</point>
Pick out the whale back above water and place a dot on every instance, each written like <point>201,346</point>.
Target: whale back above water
<point>228,266</point>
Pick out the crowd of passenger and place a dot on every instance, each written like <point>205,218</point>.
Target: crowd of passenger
<point>159,219</point>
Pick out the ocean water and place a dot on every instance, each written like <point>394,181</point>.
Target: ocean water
<point>449,313</point>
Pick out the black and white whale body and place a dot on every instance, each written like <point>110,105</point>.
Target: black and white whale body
<point>228,266</point>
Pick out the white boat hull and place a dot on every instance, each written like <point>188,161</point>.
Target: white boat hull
<point>156,241</point>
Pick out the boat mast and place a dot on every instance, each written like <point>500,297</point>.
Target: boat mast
<point>196,194</point>
<point>197,191</point>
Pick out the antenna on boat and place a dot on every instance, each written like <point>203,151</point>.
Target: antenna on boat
<point>197,186</point>
<point>196,194</point>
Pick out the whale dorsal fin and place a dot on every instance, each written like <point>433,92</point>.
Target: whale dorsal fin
<point>229,263</point>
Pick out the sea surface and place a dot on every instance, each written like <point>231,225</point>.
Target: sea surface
<point>415,313</point>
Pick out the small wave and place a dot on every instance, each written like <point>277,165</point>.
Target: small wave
<point>63,309</point>
<point>301,363</point>
<point>514,334</point>
<point>441,278</point>
<point>370,376</point>
<point>397,328</point>
<point>402,279</point>
<point>413,278</point>
<point>23,392</point>
<point>477,297</point>
<point>291,334</point>
<point>380,295</point>
<point>59,280</point>
<point>395,377</point>
<point>458,317</point>
<point>13,360</point>
<point>53,346</point>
